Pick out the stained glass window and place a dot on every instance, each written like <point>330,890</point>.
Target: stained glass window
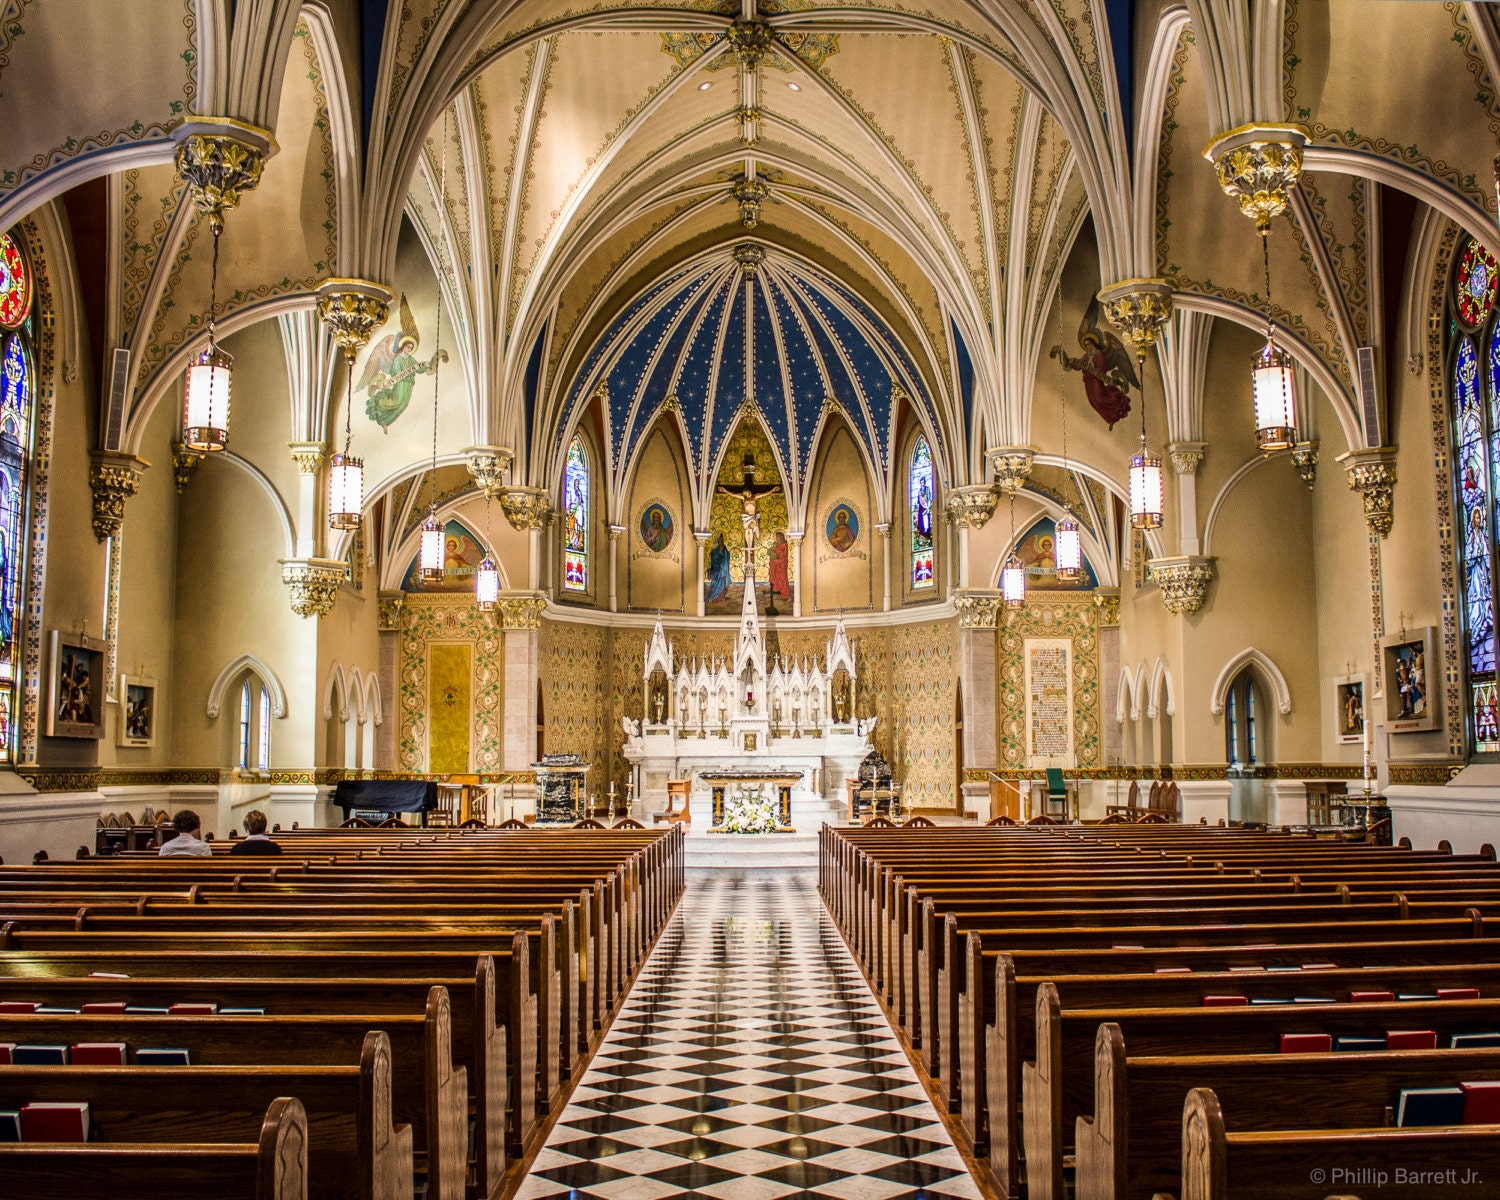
<point>1474,379</point>
<point>263,734</point>
<point>920,484</point>
<point>17,400</point>
<point>576,518</point>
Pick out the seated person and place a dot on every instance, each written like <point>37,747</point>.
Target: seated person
<point>256,841</point>
<point>187,843</point>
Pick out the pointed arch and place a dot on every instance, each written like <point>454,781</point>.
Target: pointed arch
<point>243,663</point>
<point>1267,669</point>
<point>373,708</point>
<point>337,686</point>
<point>1161,679</point>
<point>356,684</point>
<point>1126,690</point>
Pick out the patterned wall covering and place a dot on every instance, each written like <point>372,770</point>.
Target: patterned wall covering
<point>454,620</point>
<point>577,708</point>
<point>923,677</point>
<point>1058,616</point>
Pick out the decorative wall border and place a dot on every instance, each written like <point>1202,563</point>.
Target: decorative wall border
<point>73,780</point>
<point>44,346</point>
<point>1181,772</point>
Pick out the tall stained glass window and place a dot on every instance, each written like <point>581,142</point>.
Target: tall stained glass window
<point>576,518</point>
<point>1474,378</point>
<point>920,483</point>
<point>17,402</point>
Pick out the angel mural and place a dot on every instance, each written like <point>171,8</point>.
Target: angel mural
<point>392,369</point>
<point>1108,373</point>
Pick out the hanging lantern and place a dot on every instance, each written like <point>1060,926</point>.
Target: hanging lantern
<point>1068,547</point>
<point>205,418</point>
<point>1013,582</point>
<point>432,550</point>
<point>1145,489</point>
<point>346,491</point>
<point>1275,398</point>
<point>487,585</point>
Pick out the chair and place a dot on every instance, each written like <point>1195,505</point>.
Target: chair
<point>1057,789</point>
<point>1132,802</point>
<point>677,789</point>
<point>449,800</point>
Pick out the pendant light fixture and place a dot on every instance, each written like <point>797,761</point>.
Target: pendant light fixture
<point>1272,381</point>
<point>1145,470</point>
<point>432,532</point>
<point>487,580</point>
<point>346,473</point>
<point>1013,577</point>
<point>1067,546</point>
<point>205,418</point>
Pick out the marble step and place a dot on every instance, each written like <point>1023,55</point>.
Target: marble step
<point>752,850</point>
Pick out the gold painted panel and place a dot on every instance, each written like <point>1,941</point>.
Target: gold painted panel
<point>449,705</point>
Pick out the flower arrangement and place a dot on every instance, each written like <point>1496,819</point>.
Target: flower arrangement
<point>749,811</point>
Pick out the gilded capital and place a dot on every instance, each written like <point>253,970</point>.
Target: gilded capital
<point>1011,466</point>
<point>1372,473</point>
<point>750,194</point>
<point>521,610</point>
<point>489,466</point>
<point>1183,580</point>
<point>978,608</point>
<point>1258,166</point>
<point>1305,459</point>
<point>307,455</point>
<point>389,615</point>
<point>749,255</point>
<point>1187,457</point>
<point>751,41</point>
<point>1138,308</point>
<point>220,159</point>
<point>1107,601</point>
<point>184,465</point>
<point>352,310</point>
<point>971,507</point>
<point>114,477</point>
<point>525,507</point>
<point>313,584</point>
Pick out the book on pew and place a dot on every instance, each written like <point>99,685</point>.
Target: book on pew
<point>145,1010</point>
<point>1410,1039</point>
<point>1474,1041</point>
<point>6,1050</point>
<point>1416,996</point>
<point>39,1056</point>
<point>192,1010</point>
<point>242,1012</point>
<point>44,1010</point>
<point>1280,969</point>
<point>55,1121</point>
<point>1372,997</point>
<point>1481,1103</point>
<point>1269,1000</point>
<point>1458,993</point>
<point>1430,1106</point>
<point>1224,1001</point>
<point>10,1125</point>
<point>1306,1043</point>
<point>1320,966</point>
<point>107,975</point>
<point>97,1054</point>
<point>1173,971</point>
<point>1247,970</point>
<point>16,1007</point>
<point>1348,1042</point>
<point>106,1008</point>
<point>1313,1000</point>
<point>161,1056</point>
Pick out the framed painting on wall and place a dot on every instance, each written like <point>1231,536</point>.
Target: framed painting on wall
<point>137,711</point>
<point>1349,707</point>
<point>1407,658</point>
<point>75,686</point>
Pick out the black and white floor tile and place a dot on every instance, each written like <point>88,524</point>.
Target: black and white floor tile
<point>750,1062</point>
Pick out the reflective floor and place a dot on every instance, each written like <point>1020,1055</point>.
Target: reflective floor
<point>750,1062</point>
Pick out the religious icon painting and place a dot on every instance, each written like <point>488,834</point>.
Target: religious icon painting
<point>138,712</point>
<point>656,527</point>
<point>75,692</point>
<point>841,528</point>
<point>1407,659</point>
<point>1349,707</point>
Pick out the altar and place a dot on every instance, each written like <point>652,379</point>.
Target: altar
<point>720,782</point>
<point>749,717</point>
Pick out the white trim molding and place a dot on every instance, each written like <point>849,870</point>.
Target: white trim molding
<point>1271,672</point>
<point>268,677</point>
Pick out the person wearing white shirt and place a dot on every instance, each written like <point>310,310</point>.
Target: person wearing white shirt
<point>187,843</point>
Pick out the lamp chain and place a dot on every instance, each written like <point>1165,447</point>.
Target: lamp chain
<point>437,339</point>
<point>1265,254</point>
<point>213,286</point>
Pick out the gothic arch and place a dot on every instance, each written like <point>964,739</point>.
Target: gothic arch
<point>226,676</point>
<point>1267,669</point>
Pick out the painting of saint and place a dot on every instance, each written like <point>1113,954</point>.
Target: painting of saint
<point>75,700</point>
<point>392,369</point>
<point>139,717</point>
<point>842,528</point>
<point>718,569</point>
<point>1411,679</point>
<point>656,528</point>
<point>1351,714</point>
<point>777,567</point>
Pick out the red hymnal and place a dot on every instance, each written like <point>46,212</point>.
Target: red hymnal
<point>1224,1001</point>
<point>5,1053</point>
<point>1481,1103</point>
<point>1307,1043</point>
<point>1411,1039</point>
<point>192,1010</point>
<point>55,1122</point>
<point>1372,997</point>
<point>1458,993</point>
<point>97,1054</point>
<point>18,1006</point>
<point>106,1009</point>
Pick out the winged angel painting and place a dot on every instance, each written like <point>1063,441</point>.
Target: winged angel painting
<point>392,369</point>
<point>1108,373</point>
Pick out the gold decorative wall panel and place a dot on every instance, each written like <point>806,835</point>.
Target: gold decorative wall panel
<point>449,707</point>
<point>1056,618</point>
<point>428,621</point>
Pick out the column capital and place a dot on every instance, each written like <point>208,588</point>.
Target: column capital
<point>389,615</point>
<point>313,584</point>
<point>978,608</point>
<point>1258,166</point>
<point>1372,473</point>
<point>972,506</point>
<point>525,508</point>
<point>307,455</point>
<point>1187,457</point>
<point>351,310</point>
<point>1305,459</point>
<point>1107,601</point>
<point>114,477</point>
<point>1138,308</point>
<point>489,466</point>
<point>220,158</point>
<point>1183,580</point>
<point>1011,466</point>
<point>521,610</point>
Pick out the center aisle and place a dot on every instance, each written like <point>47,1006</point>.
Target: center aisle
<point>750,1062</point>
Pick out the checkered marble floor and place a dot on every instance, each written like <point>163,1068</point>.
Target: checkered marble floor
<point>750,1062</point>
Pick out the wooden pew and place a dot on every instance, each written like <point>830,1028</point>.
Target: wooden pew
<point>355,1149</point>
<point>272,1168</point>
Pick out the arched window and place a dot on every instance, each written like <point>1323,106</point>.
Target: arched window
<point>263,741</point>
<point>1239,721</point>
<point>1474,377</point>
<point>17,403</point>
<point>242,760</point>
<point>576,518</point>
<point>252,743</point>
<point>920,485</point>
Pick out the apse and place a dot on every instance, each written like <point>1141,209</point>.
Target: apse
<point>782,335</point>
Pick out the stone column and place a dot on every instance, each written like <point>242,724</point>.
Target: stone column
<point>794,541</point>
<point>614,566</point>
<point>978,659</point>
<point>1187,457</point>
<point>700,539</point>
<point>309,459</point>
<point>521,619</point>
<point>969,508</point>
<point>884,530</point>
<point>388,732</point>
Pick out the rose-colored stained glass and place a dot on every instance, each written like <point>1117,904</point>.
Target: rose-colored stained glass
<point>1474,285</point>
<point>15,283</point>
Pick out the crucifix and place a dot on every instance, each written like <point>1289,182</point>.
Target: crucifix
<point>747,492</point>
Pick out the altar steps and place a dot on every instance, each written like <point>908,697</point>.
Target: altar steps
<point>752,850</point>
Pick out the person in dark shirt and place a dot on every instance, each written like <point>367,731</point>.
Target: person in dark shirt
<point>256,841</point>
